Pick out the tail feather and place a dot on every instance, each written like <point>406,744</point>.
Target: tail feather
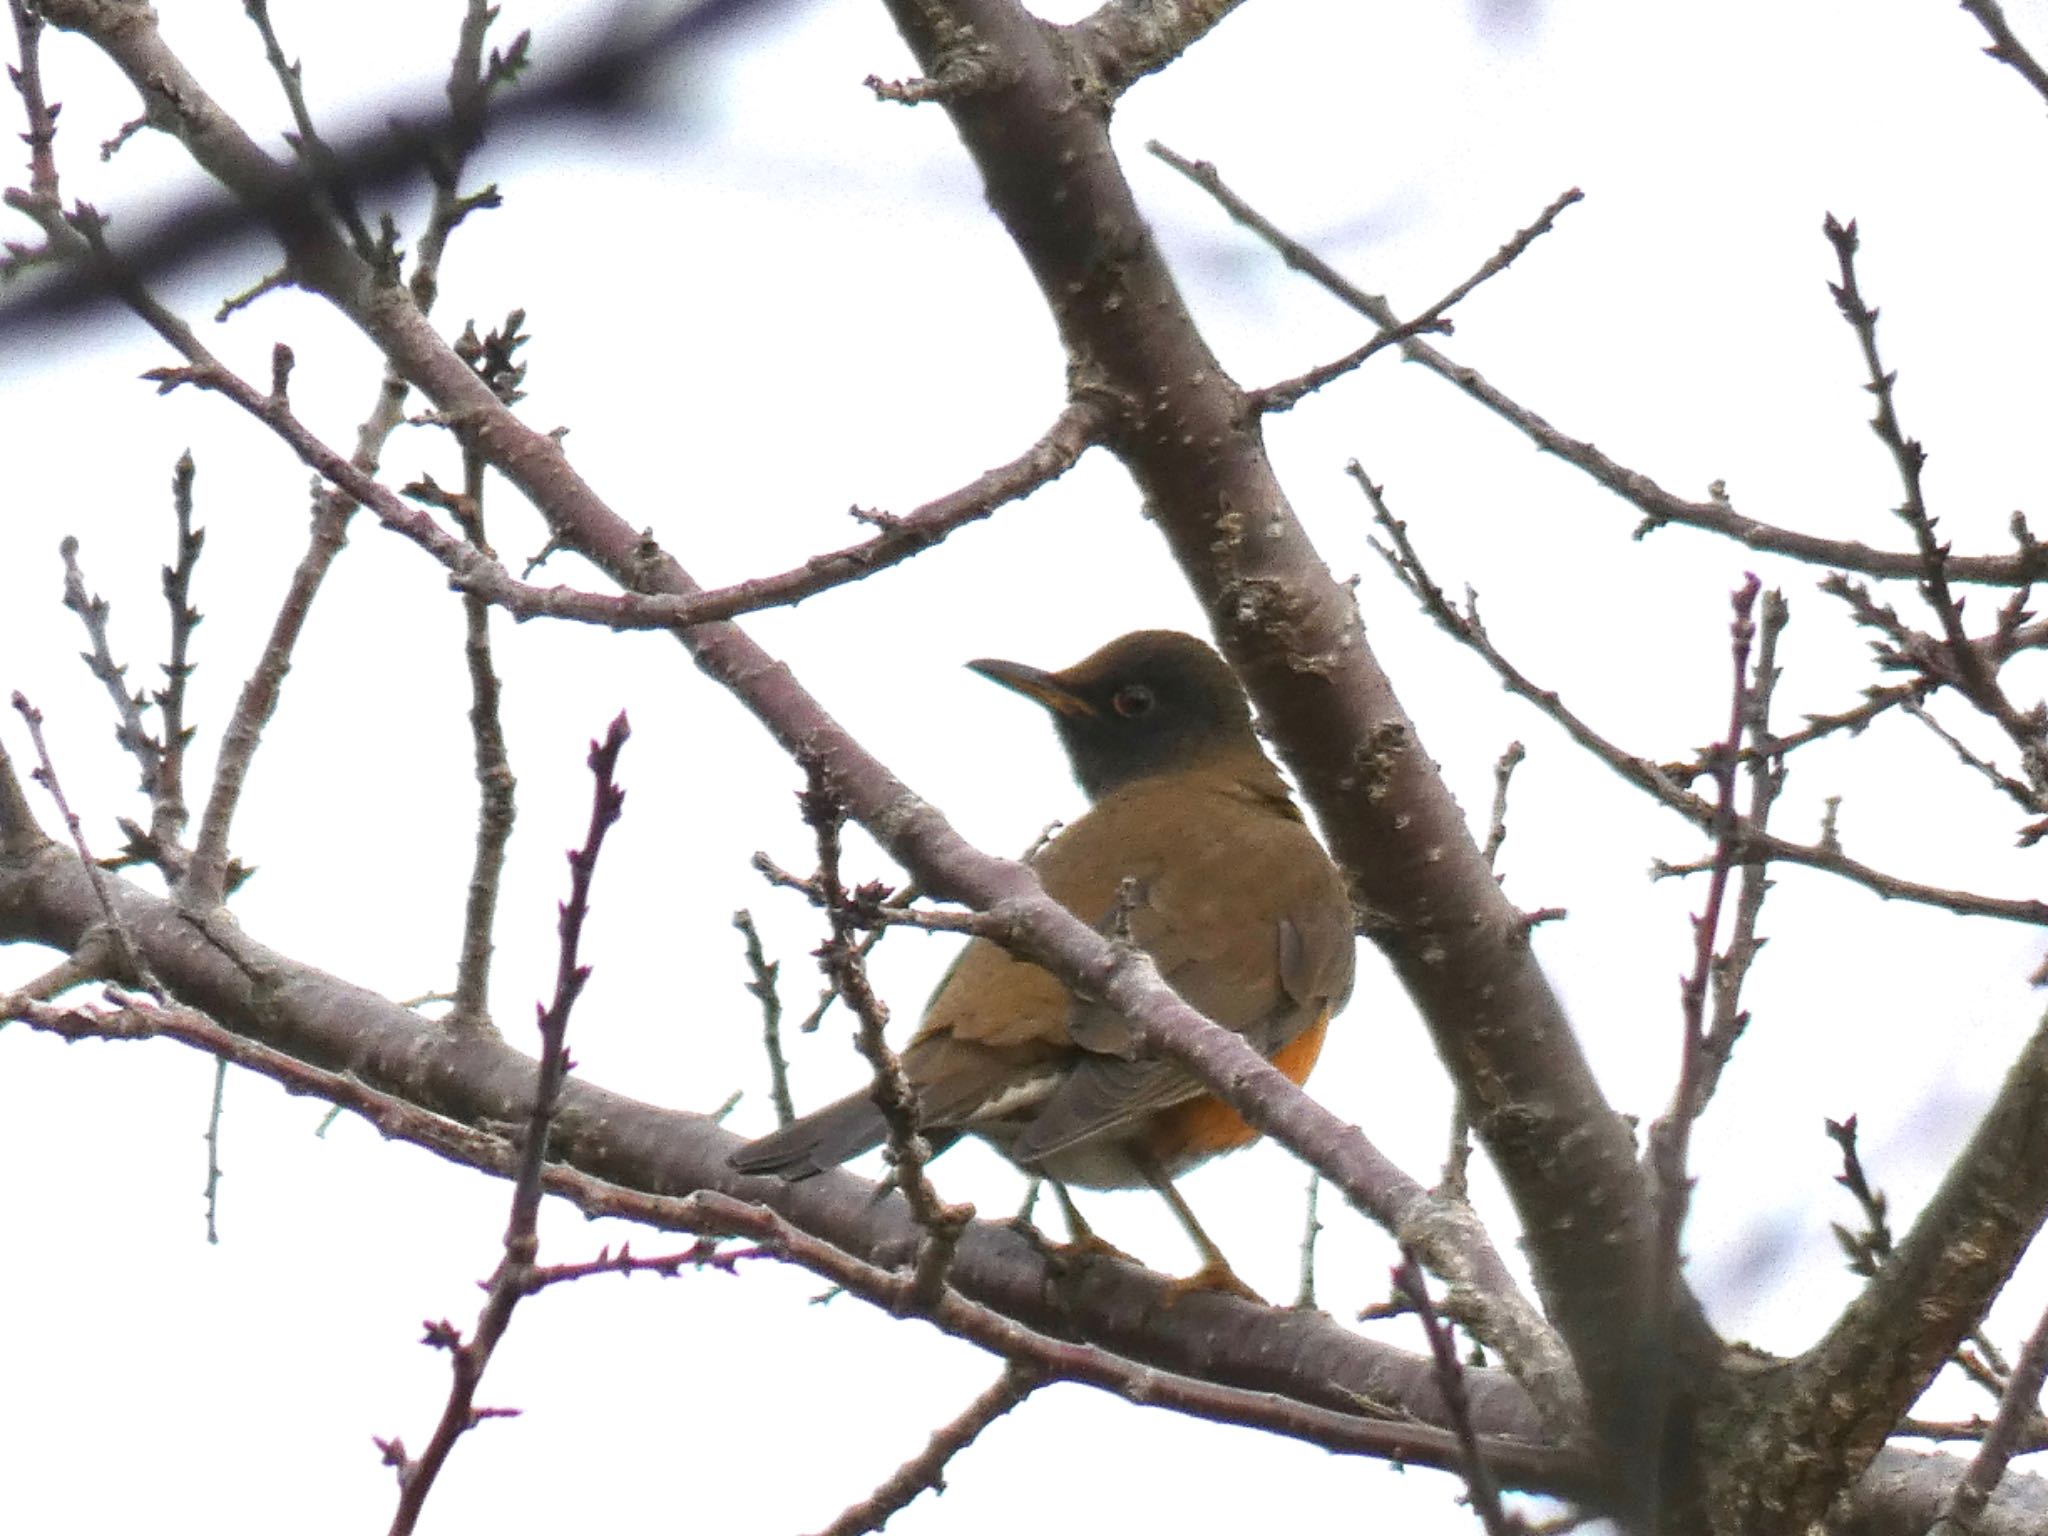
<point>823,1139</point>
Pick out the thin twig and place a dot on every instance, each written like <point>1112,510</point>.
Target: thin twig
<point>86,963</point>
<point>2005,46</point>
<point>1670,1136</point>
<point>2016,1423</point>
<point>514,1278</point>
<point>496,785</point>
<point>213,1168</point>
<point>126,955</point>
<point>1481,1485</point>
<point>1311,1229</point>
<point>207,878</point>
<point>908,1151</point>
<point>830,992</point>
<point>1973,676</point>
<point>1455,1182</point>
<point>1497,823</point>
<point>322,169</point>
<point>168,811</point>
<point>927,1469</point>
<point>1972,1429</point>
<point>1288,393</point>
<point>2026,796</point>
<point>1854,720</point>
<point>1869,1250</point>
<point>132,732</point>
<point>1766,771</point>
<point>1658,506</point>
<point>762,974</point>
<point>469,570</point>
<point>1655,779</point>
<point>78,238</point>
<point>40,198</point>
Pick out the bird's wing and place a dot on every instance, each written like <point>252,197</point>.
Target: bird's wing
<point>1247,920</point>
<point>1229,894</point>
<point>1242,912</point>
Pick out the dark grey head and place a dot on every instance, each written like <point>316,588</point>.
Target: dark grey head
<point>1144,704</point>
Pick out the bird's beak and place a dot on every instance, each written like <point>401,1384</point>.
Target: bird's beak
<point>1048,688</point>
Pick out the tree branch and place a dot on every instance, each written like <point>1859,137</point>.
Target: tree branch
<point>911,830</point>
<point>1804,1426</point>
<point>317,1035</point>
<point>1293,634</point>
<point>1659,507</point>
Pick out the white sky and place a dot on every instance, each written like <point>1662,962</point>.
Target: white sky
<point>773,298</point>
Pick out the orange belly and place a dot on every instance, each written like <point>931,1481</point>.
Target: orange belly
<point>1192,1132</point>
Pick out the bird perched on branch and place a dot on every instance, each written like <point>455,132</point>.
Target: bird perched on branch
<point>1194,850</point>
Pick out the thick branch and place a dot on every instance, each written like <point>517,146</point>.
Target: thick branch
<point>912,831</point>
<point>1194,447</point>
<point>1659,507</point>
<point>1125,40</point>
<point>1813,1421</point>
<point>318,1035</point>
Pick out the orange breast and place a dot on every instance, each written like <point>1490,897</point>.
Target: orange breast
<point>1189,1133</point>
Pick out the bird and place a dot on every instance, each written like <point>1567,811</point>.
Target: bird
<point>1193,849</point>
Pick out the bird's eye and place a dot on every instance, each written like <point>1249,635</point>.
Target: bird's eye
<point>1132,700</point>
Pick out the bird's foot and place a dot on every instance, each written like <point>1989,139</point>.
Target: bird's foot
<point>1083,1246</point>
<point>1214,1275</point>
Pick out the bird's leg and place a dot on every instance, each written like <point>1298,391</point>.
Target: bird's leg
<point>1081,1244</point>
<point>1215,1273</point>
<point>1025,1223</point>
<point>1081,1238</point>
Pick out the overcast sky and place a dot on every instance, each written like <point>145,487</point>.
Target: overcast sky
<point>766,298</point>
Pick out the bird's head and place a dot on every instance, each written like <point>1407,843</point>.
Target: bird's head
<point>1148,703</point>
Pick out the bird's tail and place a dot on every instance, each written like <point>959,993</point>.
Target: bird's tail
<point>823,1139</point>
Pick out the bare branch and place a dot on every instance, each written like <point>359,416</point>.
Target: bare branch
<point>215,1108</point>
<point>39,200</point>
<point>927,1469</point>
<point>763,973</point>
<point>1497,820</point>
<point>1290,392</point>
<point>1293,634</point>
<point>133,731</point>
<point>322,170</point>
<point>20,836</point>
<point>496,785</point>
<point>600,82</point>
<point>1766,770</point>
<point>2025,796</point>
<point>1311,1229</point>
<point>1852,1387</point>
<point>1968,668</point>
<point>1659,507</point>
<point>840,956</point>
<point>514,1278</point>
<point>1122,41</point>
<point>1481,1486</point>
<point>125,954</point>
<point>168,812</point>
<point>2017,1422</point>
<point>409,1079</point>
<point>88,962</point>
<point>2005,46</point>
<point>1122,1363</point>
<point>1661,782</point>
<point>1671,1134</point>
